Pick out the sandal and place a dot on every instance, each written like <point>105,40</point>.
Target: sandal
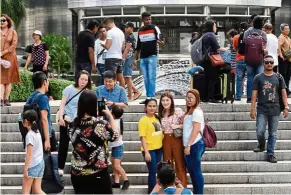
<point>137,95</point>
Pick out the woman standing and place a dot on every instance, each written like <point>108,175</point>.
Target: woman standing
<point>9,75</point>
<point>67,113</point>
<point>151,137</point>
<point>171,119</point>
<point>193,127</point>
<point>89,174</point>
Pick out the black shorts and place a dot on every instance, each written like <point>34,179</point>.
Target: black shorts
<point>113,64</point>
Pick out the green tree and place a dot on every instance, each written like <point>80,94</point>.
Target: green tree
<point>60,53</point>
<point>16,9</point>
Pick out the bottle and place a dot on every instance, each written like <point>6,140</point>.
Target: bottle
<point>19,117</point>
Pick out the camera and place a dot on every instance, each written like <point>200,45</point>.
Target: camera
<point>101,107</point>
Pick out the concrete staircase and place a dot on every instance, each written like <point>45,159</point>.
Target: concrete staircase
<point>231,168</point>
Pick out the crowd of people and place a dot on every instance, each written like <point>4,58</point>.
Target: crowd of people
<point>172,140</point>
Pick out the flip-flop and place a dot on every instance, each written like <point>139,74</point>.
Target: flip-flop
<point>138,96</point>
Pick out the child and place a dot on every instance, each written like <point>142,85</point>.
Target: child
<point>117,149</point>
<point>34,164</point>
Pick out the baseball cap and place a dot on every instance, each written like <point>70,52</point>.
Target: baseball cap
<point>37,32</point>
<point>129,24</point>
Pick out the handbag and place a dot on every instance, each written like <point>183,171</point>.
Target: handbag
<point>5,63</point>
<point>216,60</point>
<point>281,103</point>
<point>209,136</point>
<point>178,133</point>
<point>58,111</point>
<point>287,54</point>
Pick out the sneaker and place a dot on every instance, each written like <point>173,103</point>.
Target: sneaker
<point>272,159</point>
<point>126,185</point>
<point>249,100</point>
<point>259,149</point>
<point>115,185</point>
<point>61,172</point>
<point>137,94</point>
<point>7,103</point>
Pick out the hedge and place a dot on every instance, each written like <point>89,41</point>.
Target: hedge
<point>20,92</point>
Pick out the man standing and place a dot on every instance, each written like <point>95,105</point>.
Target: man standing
<point>272,44</point>
<point>127,57</point>
<point>114,45</point>
<point>284,52</point>
<point>38,53</point>
<point>147,48</point>
<point>100,52</point>
<point>85,48</point>
<point>266,87</point>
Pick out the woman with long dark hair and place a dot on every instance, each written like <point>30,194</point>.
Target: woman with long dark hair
<point>67,112</point>
<point>151,137</point>
<point>171,119</point>
<point>210,45</point>
<point>193,127</point>
<point>9,75</point>
<point>89,174</point>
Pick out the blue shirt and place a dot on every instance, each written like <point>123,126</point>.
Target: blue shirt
<point>172,190</point>
<point>71,107</point>
<point>43,104</point>
<point>117,94</point>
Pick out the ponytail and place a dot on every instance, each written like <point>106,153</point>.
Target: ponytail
<point>34,127</point>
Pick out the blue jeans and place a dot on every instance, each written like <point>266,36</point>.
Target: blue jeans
<point>252,71</point>
<point>241,69</point>
<point>272,121</point>
<point>149,70</point>
<point>193,164</point>
<point>101,69</point>
<point>156,156</point>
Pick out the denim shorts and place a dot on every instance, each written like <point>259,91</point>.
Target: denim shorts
<point>117,152</point>
<point>36,171</point>
<point>127,70</point>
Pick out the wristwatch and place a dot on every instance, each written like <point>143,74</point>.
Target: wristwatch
<point>287,107</point>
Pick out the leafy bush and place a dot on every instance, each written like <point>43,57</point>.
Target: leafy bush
<point>20,92</point>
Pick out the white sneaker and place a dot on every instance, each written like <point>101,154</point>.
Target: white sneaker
<point>61,172</point>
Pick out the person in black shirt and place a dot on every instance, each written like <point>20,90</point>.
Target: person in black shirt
<point>85,48</point>
<point>148,38</point>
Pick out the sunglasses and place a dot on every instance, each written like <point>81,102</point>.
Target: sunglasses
<point>269,62</point>
<point>3,20</point>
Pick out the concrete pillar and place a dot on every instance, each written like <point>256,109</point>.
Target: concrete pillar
<point>81,14</point>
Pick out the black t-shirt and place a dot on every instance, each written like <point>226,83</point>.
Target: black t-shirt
<point>85,39</point>
<point>147,40</point>
<point>130,39</point>
<point>209,40</point>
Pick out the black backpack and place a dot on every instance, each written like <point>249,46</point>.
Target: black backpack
<point>31,105</point>
<point>241,44</point>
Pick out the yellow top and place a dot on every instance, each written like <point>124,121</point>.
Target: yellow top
<point>150,128</point>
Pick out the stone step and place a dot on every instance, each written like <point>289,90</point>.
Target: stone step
<point>134,117</point>
<point>209,178</point>
<point>216,125</point>
<point>226,145</point>
<point>134,136</point>
<point>269,188</point>
<point>136,156</point>
<point>207,167</point>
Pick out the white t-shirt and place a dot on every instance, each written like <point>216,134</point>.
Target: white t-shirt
<point>117,37</point>
<point>37,149</point>
<point>272,47</point>
<point>197,116</point>
<point>98,48</point>
<point>119,141</point>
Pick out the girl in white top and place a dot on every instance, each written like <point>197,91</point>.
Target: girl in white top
<point>193,127</point>
<point>34,164</point>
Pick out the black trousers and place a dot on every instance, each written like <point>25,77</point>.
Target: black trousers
<point>63,146</point>
<point>211,76</point>
<point>285,71</point>
<point>98,183</point>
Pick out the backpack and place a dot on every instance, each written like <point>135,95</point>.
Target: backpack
<point>197,52</point>
<point>31,105</point>
<point>241,44</point>
<point>280,78</point>
<point>209,136</point>
<point>254,49</point>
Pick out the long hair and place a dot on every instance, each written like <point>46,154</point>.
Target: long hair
<point>162,110</point>
<point>146,104</point>
<point>87,105</point>
<point>189,110</point>
<point>89,84</point>
<point>31,117</point>
<point>9,20</point>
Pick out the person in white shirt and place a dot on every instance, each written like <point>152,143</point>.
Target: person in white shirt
<point>117,149</point>
<point>115,42</point>
<point>193,127</point>
<point>272,44</point>
<point>100,52</point>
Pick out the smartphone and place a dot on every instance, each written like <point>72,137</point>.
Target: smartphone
<point>101,107</point>
<point>161,36</point>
